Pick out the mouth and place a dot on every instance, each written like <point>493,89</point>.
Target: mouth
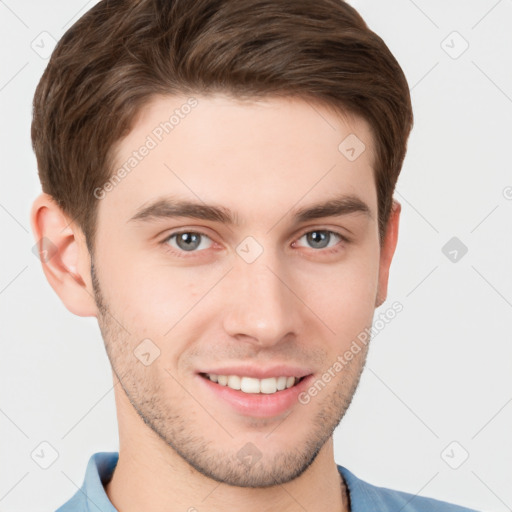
<point>255,391</point>
<point>252,385</point>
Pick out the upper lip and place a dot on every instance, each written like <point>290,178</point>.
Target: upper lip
<point>260,373</point>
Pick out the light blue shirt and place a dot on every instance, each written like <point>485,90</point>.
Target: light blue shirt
<point>364,497</point>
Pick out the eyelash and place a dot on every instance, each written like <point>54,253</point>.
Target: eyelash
<point>188,254</point>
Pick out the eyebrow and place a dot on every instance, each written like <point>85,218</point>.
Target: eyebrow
<point>169,208</point>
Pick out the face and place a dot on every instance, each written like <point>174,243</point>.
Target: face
<point>280,291</point>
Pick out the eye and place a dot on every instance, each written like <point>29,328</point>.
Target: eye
<point>187,241</point>
<point>183,242</point>
<point>322,238</point>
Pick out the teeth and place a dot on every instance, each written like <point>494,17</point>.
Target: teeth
<point>281,383</point>
<point>252,385</point>
<point>269,385</point>
<point>234,382</point>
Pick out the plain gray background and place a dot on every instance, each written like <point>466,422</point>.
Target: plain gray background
<point>433,412</point>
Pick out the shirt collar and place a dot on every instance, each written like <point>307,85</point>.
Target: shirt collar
<point>98,473</point>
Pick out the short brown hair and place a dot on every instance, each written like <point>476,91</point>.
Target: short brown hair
<point>121,53</point>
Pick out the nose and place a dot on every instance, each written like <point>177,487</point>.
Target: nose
<point>263,308</point>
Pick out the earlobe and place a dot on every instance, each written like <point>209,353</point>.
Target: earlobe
<point>387,251</point>
<point>64,255</point>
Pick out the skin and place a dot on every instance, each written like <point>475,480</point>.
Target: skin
<point>295,304</point>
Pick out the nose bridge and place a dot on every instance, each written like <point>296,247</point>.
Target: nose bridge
<point>261,305</point>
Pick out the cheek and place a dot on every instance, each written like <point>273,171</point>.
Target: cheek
<point>344,295</point>
<point>153,299</point>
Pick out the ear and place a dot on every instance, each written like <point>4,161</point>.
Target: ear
<point>386,252</point>
<point>64,255</point>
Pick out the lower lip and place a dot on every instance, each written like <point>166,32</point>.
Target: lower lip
<point>258,405</point>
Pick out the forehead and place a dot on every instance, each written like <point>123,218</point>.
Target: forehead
<point>255,157</point>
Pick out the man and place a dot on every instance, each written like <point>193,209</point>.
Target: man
<point>218,185</point>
